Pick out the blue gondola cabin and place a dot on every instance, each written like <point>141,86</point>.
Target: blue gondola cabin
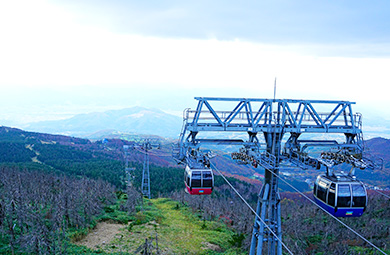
<point>340,195</point>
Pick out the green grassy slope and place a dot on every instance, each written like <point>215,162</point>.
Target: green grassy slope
<point>179,231</point>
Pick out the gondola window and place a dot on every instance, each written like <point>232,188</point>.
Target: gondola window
<point>344,196</point>
<point>207,179</point>
<point>321,190</point>
<point>331,195</point>
<point>196,179</point>
<point>359,196</point>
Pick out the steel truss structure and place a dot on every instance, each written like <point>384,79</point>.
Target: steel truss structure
<point>145,145</point>
<point>128,170</point>
<point>145,185</point>
<point>272,119</point>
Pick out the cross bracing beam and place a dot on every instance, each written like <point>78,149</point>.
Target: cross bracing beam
<point>254,116</point>
<point>272,119</point>
<point>287,115</point>
<point>144,145</point>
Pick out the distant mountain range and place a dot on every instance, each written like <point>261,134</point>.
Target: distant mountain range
<point>135,122</point>
<point>144,121</point>
<point>105,124</point>
<point>20,146</point>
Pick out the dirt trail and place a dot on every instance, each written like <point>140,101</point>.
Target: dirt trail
<point>101,235</point>
<point>177,229</point>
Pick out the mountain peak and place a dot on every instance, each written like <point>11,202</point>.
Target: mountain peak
<point>129,120</point>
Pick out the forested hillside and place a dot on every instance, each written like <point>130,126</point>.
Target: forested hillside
<point>306,229</point>
<point>102,159</point>
<point>38,209</point>
<point>52,188</point>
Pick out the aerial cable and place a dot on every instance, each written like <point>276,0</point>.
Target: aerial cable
<point>342,223</point>
<point>160,155</point>
<point>382,193</point>
<point>151,153</point>
<point>377,191</point>
<point>243,199</point>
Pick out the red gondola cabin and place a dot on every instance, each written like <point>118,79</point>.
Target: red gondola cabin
<point>199,181</point>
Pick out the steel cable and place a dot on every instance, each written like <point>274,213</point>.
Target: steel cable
<point>383,194</point>
<point>247,204</point>
<point>342,223</point>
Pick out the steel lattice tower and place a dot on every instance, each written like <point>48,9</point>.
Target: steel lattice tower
<point>143,146</point>
<point>128,170</point>
<point>145,187</point>
<point>273,119</point>
<point>268,205</point>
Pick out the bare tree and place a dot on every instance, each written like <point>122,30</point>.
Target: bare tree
<point>36,208</point>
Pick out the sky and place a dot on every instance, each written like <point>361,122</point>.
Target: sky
<point>63,57</point>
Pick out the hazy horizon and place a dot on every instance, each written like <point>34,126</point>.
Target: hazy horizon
<point>61,58</point>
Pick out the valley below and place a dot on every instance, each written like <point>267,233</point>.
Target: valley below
<point>68,195</point>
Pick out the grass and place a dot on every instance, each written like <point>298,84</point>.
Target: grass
<point>184,233</point>
<point>178,229</point>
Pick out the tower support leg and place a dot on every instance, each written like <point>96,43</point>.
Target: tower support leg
<point>268,208</point>
<point>258,228</point>
<point>146,177</point>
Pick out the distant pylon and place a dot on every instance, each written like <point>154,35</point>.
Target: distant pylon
<point>128,170</point>
<point>145,145</point>
<point>146,176</point>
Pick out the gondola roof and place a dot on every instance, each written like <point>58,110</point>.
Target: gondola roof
<point>340,178</point>
<point>194,164</point>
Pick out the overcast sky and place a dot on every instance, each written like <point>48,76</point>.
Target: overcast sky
<point>62,57</point>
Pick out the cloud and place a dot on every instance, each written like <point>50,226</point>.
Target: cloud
<point>48,47</point>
